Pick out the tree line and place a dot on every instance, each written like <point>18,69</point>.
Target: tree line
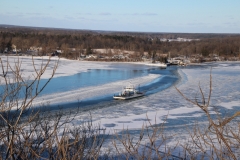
<point>227,45</point>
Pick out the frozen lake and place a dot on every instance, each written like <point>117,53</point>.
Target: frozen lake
<point>91,85</point>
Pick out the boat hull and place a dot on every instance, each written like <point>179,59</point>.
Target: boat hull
<point>128,97</point>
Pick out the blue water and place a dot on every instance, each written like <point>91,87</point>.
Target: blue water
<point>90,78</point>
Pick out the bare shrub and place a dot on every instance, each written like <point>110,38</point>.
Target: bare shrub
<point>30,133</point>
<point>151,143</point>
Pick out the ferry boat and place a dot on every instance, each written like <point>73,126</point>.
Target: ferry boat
<point>129,92</point>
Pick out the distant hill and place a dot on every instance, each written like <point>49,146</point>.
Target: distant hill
<point>30,29</point>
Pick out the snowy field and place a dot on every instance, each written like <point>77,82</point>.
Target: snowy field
<point>155,107</point>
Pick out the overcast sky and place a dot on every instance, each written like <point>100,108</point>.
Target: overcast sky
<point>189,16</point>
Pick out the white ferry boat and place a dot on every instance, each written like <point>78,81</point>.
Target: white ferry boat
<point>129,92</point>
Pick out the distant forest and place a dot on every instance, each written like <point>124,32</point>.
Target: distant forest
<point>50,39</point>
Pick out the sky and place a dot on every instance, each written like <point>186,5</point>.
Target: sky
<point>184,16</point>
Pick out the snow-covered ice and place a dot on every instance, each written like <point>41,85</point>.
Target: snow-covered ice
<point>155,107</point>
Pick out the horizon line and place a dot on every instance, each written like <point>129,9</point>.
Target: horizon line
<point>20,26</point>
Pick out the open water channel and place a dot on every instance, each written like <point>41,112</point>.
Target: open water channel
<point>97,77</point>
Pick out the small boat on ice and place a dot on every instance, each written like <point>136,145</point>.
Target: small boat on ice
<point>129,92</point>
